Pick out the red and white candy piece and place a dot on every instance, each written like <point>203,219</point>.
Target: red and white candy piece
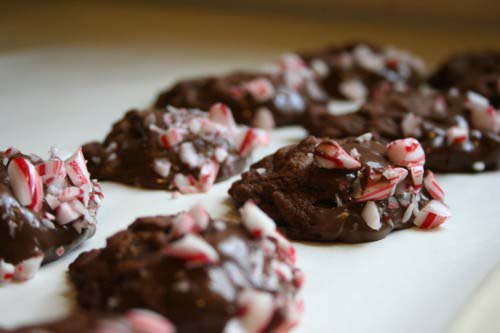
<point>286,251</point>
<point>377,191</point>
<point>433,214</point>
<point>26,183</point>
<point>51,170</point>
<point>162,167</point>
<point>371,215</point>
<point>171,137</point>
<point>67,212</point>
<point>251,138</point>
<point>456,135</point>
<point>404,152</point>
<point>256,221</point>
<point>200,216</point>
<point>76,168</point>
<point>189,155</point>
<point>483,115</point>
<point>256,311</point>
<point>221,114</point>
<point>264,119</point>
<point>330,155</point>
<point>433,187</point>
<point>417,175</point>
<point>411,125</point>
<point>192,248</point>
<point>186,183</point>
<point>261,89</point>
<point>293,314</point>
<point>26,269</point>
<point>6,271</point>
<point>147,321</point>
<point>183,224</point>
<point>208,175</point>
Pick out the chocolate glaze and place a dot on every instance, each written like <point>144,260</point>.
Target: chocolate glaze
<point>478,71</point>
<point>383,116</point>
<point>287,105</point>
<point>24,233</point>
<point>128,153</point>
<point>301,196</point>
<point>133,271</point>
<point>343,64</point>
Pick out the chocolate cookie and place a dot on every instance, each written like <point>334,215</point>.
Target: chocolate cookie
<point>174,148</point>
<point>352,70</point>
<point>477,71</point>
<point>47,208</point>
<point>351,190</point>
<point>206,275</point>
<point>459,133</point>
<point>278,97</point>
<point>133,321</point>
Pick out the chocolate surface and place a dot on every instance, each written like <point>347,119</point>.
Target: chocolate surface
<point>133,321</point>
<point>172,149</point>
<point>433,118</point>
<point>60,220</point>
<point>282,93</point>
<point>328,204</point>
<point>351,71</point>
<point>200,275</point>
<point>478,71</point>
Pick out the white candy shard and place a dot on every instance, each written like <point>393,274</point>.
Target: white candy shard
<point>433,214</point>
<point>192,248</point>
<point>200,216</point>
<point>257,310</point>
<point>162,167</point>
<point>221,114</point>
<point>483,116</point>
<point>329,154</point>
<point>26,269</point>
<point>26,183</point>
<point>404,152</point>
<point>371,215</point>
<point>256,221</point>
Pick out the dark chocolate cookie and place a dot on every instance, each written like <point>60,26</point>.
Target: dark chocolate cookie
<point>477,71</point>
<point>133,321</point>
<point>206,275</point>
<point>278,97</point>
<point>351,190</point>
<point>170,149</point>
<point>350,71</point>
<point>459,133</point>
<point>47,208</point>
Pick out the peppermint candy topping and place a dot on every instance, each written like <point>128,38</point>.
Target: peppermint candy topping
<point>22,271</point>
<point>483,116</point>
<point>256,312</point>
<point>405,152</point>
<point>221,114</point>
<point>433,214</point>
<point>192,248</point>
<point>456,135</point>
<point>371,215</point>
<point>250,139</point>
<point>433,187</point>
<point>26,183</point>
<point>330,155</point>
<point>261,89</point>
<point>256,221</point>
<point>76,168</point>
<point>147,321</point>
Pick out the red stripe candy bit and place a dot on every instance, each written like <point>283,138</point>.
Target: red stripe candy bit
<point>377,191</point>
<point>404,152</point>
<point>411,125</point>
<point>171,137</point>
<point>330,155</point>
<point>208,175</point>
<point>256,221</point>
<point>417,175</point>
<point>51,170</point>
<point>483,115</point>
<point>286,251</point>
<point>6,271</point>
<point>26,269</point>
<point>200,216</point>
<point>186,184</point>
<point>371,215</point>
<point>264,119</point>
<point>192,248</point>
<point>250,139</point>
<point>293,314</point>
<point>256,312</point>
<point>183,224</point>
<point>221,114</point>
<point>395,175</point>
<point>67,212</point>
<point>433,214</point>
<point>77,168</point>
<point>26,183</point>
<point>456,135</point>
<point>141,320</point>
<point>261,89</point>
<point>433,187</point>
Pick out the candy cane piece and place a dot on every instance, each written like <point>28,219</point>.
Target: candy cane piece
<point>330,155</point>
<point>433,214</point>
<point>27,268</point>
<point>417,175</point>
<point>192,248</point>
<point>404,152</point>
<point>256,221</point>
<point>208,175</point>
<point>456,135</point>
<point>171,137</point>
<point>261,89</point>
<point>26,183</point>
<point>76,168</point>
<point>371,215</point>
<point>200,216</point>
<point>147,321</point>
<point>432,186</point>
<point>51,170</point>
<point>220,113</point>
<point>256,311</point>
